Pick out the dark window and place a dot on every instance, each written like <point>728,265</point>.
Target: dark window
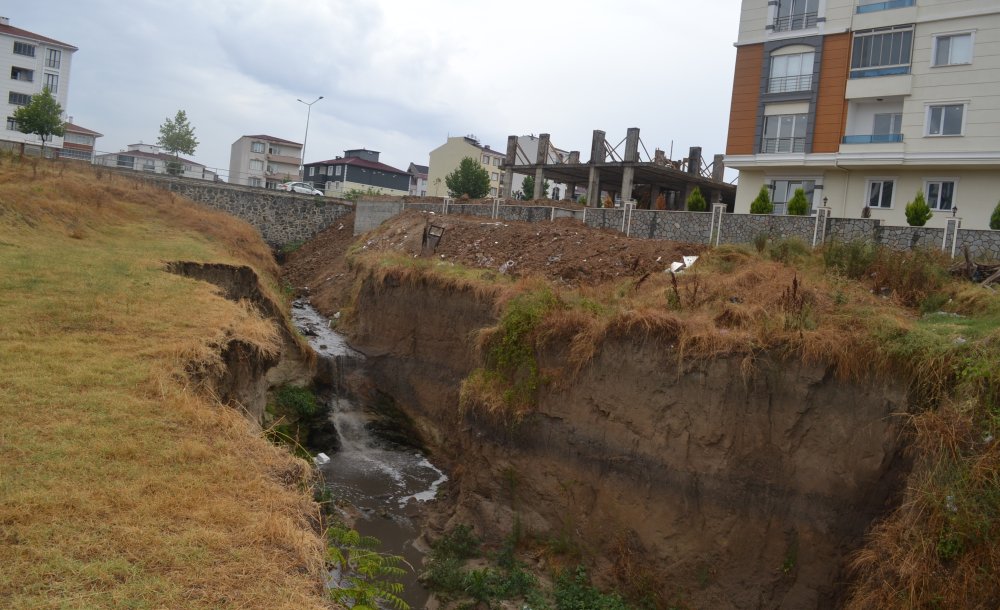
<point>22,74</point>
<point>880,193</point>
<point>882,51</point>
<point>796,15</point>
<point>54,59</point>
<point>19,99</point>
<point>23,48</point>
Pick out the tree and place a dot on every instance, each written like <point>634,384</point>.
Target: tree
<point>995,218</point>
<point>798,205</point>
<point>177,136</point>
<point>762,204</point>
<point>696,201</point>
<point>42,117</point>
<point>528,188</point>
<point>917,211</point>
<point>469,178</point>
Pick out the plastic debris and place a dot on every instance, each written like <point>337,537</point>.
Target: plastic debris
<point>321,459</point>
<point>504,268</point>
<point>684,263</point>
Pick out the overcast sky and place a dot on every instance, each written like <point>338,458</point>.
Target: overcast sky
<point>398,76</point>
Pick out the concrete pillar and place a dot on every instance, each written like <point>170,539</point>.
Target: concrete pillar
<point>694,160</point>
<point>570,191</point>
<point>594,187</point>
<point>719,168</point>
<point>628,173</point>
<point>631,156</point>
<point>597,147</point>
<point>574,157</point>
<point>541,159</point>
<point>509,161</point>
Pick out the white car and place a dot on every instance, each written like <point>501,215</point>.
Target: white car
<point>299,187</point>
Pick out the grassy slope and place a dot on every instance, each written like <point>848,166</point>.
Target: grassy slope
<point>119,486</point>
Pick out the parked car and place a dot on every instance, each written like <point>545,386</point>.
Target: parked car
<point>299,187</point>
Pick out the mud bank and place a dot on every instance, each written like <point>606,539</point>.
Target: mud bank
<point>726,489</point>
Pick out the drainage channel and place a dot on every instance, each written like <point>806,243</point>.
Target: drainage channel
<point>384,483</point>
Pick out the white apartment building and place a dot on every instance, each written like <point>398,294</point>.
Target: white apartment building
<point>445,159</point>
<point>528,145</point>
<point>264,161</point>
<point>864,103</point>
<point>33,63</point>
<point>150,158</point>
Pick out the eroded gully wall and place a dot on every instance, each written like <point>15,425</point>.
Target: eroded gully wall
<point>741,493</point>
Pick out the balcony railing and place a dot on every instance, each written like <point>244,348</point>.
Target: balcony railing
<point>783,145</point>
<point>883,6</point>
<point>871,72</point>
<point>798,21</point>
<point>873,138</point>
<point>784,84</point>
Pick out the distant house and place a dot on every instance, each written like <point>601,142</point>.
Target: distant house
<point>360,170</point>
<point>149,158</point>
<point>78,142</point>
<point>418,179</point>
<point>528,145</point>
<point>33,62</point>
<point>446,158</point>
<point>264,161</point>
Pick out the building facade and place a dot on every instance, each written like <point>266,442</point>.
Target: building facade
<point>33,63</point>
<point>418,179</point>
<point>264,161</point>
<point>78,142</point>
<point>358,170</point>
<point>528,146</point>
<point>445,159</point>
<point>864,103</point>
<point>149,158</point>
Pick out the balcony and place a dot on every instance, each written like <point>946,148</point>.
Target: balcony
<point>799,21</point>
<point>286,159</point>
<point>786,84</point>
<point>886,71</point>
<point>873,138</point>
<point>883,6</point>
<point>783,145</point>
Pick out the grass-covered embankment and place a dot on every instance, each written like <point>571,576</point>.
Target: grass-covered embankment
<point>120,485</point>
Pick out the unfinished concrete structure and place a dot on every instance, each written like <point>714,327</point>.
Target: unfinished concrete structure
<point>622,176</point>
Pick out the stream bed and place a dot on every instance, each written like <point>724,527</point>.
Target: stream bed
<point>384,483</point>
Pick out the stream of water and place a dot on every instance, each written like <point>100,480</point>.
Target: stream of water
<point>385,484</point>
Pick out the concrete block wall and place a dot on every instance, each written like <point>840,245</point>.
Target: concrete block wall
<point>370,214</point>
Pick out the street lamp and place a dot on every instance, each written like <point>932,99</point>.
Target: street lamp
<point>302,163</point>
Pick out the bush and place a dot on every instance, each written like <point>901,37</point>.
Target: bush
<point>696,201</point>
<point>573,592</point>
<point>789,250</point>
<point>995,218</point>
<point>291,399</point>
<point>917,211</point>
<point>852,259</point>
<point>798,205</point>
<point>762,204</point>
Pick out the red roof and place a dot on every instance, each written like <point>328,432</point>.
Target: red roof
<point>273,139</point>
<point>13,31</point>
<point>358,162</point>
<point>77,129</point>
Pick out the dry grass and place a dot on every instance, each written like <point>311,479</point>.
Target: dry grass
<point>119,485</point>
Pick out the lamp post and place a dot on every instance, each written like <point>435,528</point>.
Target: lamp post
<point>305,140</point>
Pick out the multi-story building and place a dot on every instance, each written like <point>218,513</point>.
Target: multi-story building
<point>264,161</point>
<point>33,62</point>
<point>358,170</point>
<point>445,159</point>
<point>149,158</point>
<point>865,103</point>
<point>418,179</point>
<point>78,142</point>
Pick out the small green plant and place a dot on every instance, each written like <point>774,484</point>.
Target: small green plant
<point>995,218</point>
<point>917,211</point>
<point>696,201</point>
<point>760,242</point>
<point>762,203</point>
<point>364,578</point>
<point>798,205</point>
<point>583,200</point>
<point>292,246</point>
<point>788,250</point>
<point>852,259</point>
<point>297,400</point>
<point>574,592</point>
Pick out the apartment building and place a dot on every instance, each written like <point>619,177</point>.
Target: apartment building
<point>78,142</point>
<point>528,153</point>
<point>418,179</point>
<point>358,170</point>
<point>264,161</point>
<point>445,159</point>
<point>864,103</point>
<point>150,158</point>
<point>33,62</point>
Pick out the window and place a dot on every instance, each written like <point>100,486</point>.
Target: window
<point>486,159</point>
<point>312,170</point>
<point>496,161</point>
<point>795,15</point>
<point>493,192</point>
<point>952,50</point>
<point>880,193</point>
<point>494,176</point>
<point>69,153</point>
<point>322,170</point>
<point>270,169</point>
<point>19,99</point>
<point>940,194</point>
<point>338,170</point>
<point>23,48</point>
<point>871,6</point>
<point>945,120</point>
<point>784,133</point>
<point>78,138</point>
<point>256,147</point>
<point>22,74</point>
<point>791,72</point>
<point>256,164</point>
<point>53,59</point>
<point>253,181</point>
<point>11,124</point>
<point>785,189</point>
<point>126,161</point>
<point>882,51</point>
<point>52,82</point>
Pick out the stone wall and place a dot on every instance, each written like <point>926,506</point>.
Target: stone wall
<point>852,229</point>
<point>672,225</point>
<point>905,238</point>
<point>981,243</point>
<point>744,228</point>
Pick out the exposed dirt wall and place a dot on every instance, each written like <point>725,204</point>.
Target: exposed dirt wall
<point>738,491</point>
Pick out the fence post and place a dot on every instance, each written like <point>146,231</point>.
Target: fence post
<point>950,241</point>
<point>819,231</point>
<point>444,206</point>
<point>627,216</point>
<point>496,208</point>
<point>715,228</point>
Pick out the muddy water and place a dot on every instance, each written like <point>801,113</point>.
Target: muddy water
<point>383,483</point>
